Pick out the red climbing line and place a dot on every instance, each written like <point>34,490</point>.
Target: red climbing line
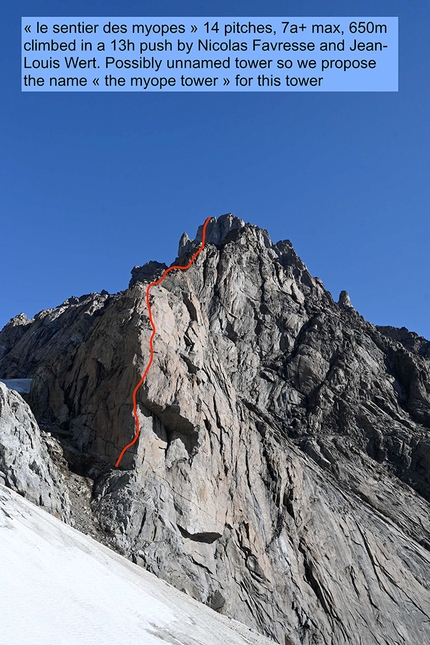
<point>151,340</point>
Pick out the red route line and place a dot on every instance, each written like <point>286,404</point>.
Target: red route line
<point>151,340</point>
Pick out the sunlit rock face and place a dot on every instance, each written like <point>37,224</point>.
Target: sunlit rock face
<point>282,471</point>
<point>26,465</point>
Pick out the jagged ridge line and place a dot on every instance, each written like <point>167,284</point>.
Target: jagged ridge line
<point>151,339</point>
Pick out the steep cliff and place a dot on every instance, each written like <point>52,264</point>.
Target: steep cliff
<point>282,472</point>
<point>26,465</point>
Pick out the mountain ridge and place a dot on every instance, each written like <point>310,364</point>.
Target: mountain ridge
<point>282,474</point>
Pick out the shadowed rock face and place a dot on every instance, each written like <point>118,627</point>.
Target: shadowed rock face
<point>282,473</point>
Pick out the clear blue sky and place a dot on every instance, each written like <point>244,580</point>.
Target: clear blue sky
<point>92,185</point>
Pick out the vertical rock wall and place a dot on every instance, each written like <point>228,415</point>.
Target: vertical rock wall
<point>281,475</point>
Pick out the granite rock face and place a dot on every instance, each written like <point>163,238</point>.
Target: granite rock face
<point>25,463</point>
<point>282,472</point>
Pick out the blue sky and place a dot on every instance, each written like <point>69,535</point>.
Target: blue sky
<point>92,185</point>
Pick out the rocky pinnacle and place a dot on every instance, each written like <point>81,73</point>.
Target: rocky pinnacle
<point>282,471</point>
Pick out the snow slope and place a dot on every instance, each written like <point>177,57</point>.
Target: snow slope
<point>60,587</point>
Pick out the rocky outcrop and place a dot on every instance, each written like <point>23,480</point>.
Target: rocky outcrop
<point>282,472</point>
<point>147,272</point>
<point>24,343</point>
<point>218,232</point>
<point>25,464</point>
<point>344,300</point>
